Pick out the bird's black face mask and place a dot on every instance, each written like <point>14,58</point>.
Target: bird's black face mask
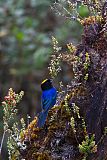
<point>46,84</point>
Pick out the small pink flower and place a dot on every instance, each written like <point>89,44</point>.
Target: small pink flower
<point>7,98</point>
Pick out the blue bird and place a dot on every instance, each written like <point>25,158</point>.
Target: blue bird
<point>48,99</point>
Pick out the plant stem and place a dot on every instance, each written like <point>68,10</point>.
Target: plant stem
<point>1,145</point>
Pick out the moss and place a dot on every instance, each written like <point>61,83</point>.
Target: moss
<point>41,156</point>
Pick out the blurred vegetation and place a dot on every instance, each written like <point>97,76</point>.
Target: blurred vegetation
<point>25,48</point>
<point>26,28</point>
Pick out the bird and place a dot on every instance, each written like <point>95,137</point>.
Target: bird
<point>48,100</point>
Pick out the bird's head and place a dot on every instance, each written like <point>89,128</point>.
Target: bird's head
<point>46,84</point>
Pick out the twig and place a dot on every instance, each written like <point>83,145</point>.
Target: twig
<point>2,141</point>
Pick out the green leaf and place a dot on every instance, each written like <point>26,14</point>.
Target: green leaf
<point>83,11</point>
<point>18,34</point>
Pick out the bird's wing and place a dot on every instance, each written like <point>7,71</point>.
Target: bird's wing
<point>46,103</point>
<point>48,99</point>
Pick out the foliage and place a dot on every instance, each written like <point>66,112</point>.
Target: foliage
<point>94,24</point>
<point>25,40</point>
<point>88,146</point>
<point>55,60</point>
<point>22,34</point>
<point>14,142</point>
<point>9,106</point>
<point>31,131</point>
<point>10,111</point>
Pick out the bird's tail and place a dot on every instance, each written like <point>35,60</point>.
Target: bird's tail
<point>42,118</point>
